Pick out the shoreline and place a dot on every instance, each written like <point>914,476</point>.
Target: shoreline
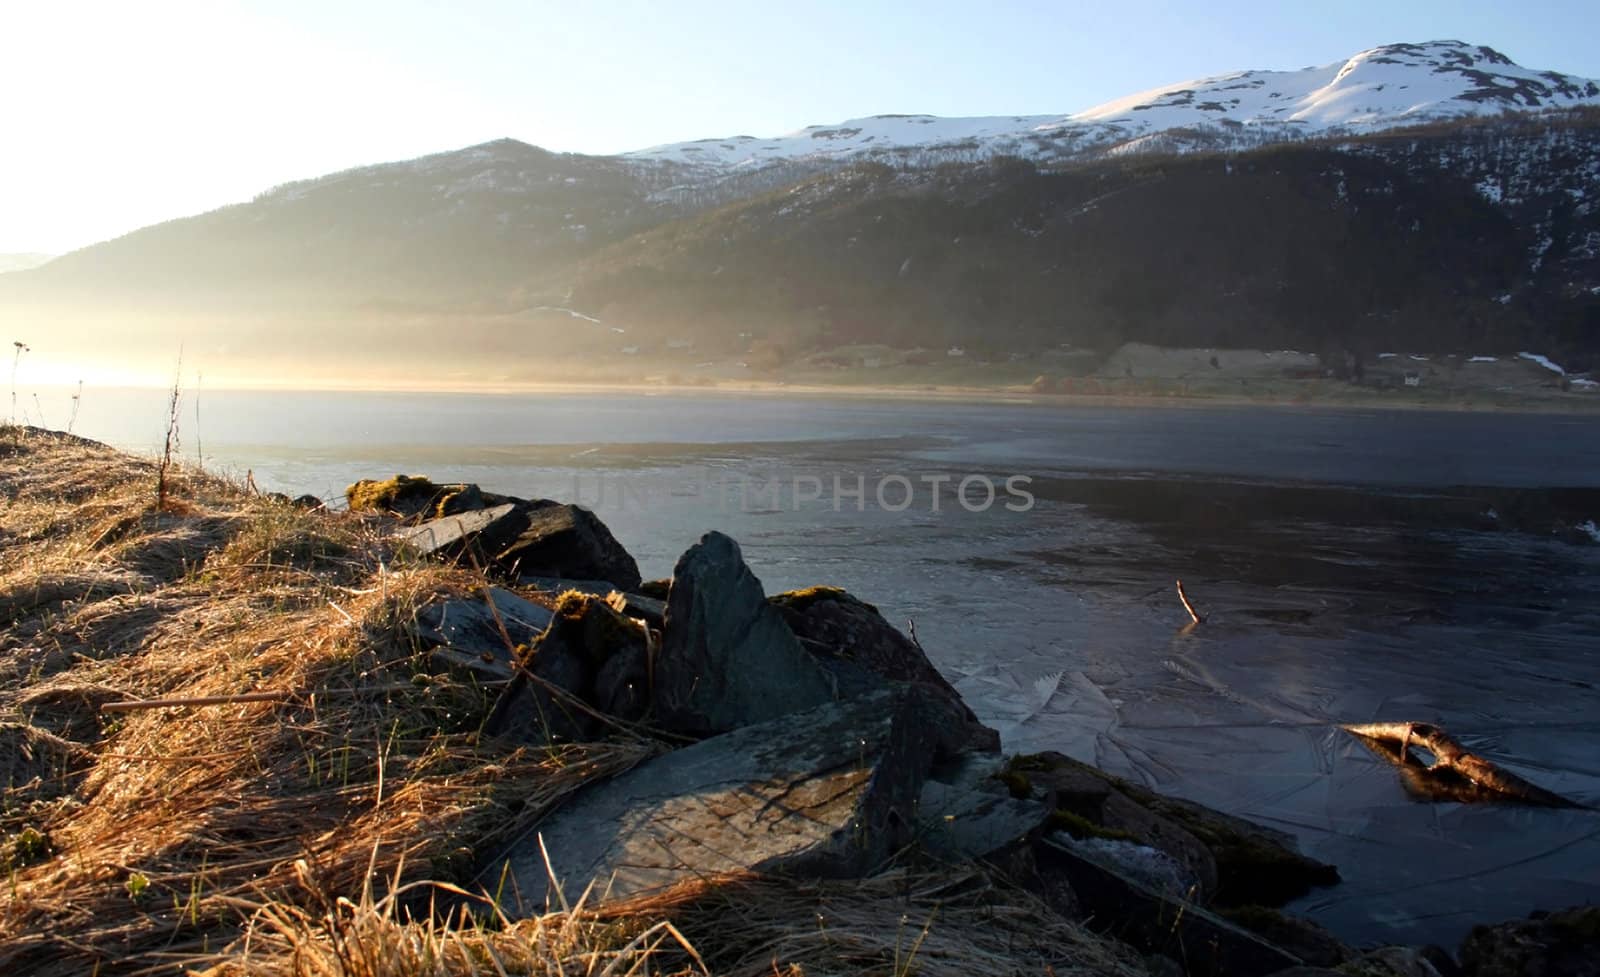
<point>1564,404</point>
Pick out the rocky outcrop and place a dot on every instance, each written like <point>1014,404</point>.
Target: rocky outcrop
<point>465,631</point>
<point>964,812</point>
<point>828,792</point>
<point>513,538</point>
<point>471,537</point>
<point>1234,862</point>
<point>568,541</point>
<point>1310,942</point>
<point>840,628</point>
<point>727,658</point>
<point>590,661</point>
<point>1558,944</point>
<point>1156,922</point>
<point>416,498</point>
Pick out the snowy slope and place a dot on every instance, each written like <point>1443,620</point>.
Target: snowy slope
<point>1389,86</point>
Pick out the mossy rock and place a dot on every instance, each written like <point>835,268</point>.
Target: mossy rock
<point>801,600</point>
<point>1253,864</point>
<point>1555,944</point>
<point>1252,867</point>
<point>1081,827</point>
<point>591,624</point>
<point>1017,783</point>
<point>1301,937</point>
<point>657,589</point>
<point>406,495</point>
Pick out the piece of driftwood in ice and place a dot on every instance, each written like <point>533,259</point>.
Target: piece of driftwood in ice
<point>1450,758</point>
<point>1195,617</point>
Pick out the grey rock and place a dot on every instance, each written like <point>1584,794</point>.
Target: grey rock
<point>1020,865</point>
<point>1080,791</point>
<point>1302,937</point>
<point>830,792</point>
<point>545,542</point>
<point>1154,922</point>
<point>465,634</point>
<point>647,609</point>
<point>727,658</point>
<point>461,498</point>
<point>1408,961</point>
<point>659,589</point>
<point>471,536</point>
<point>1235,861</point>
<point>416,498</point>
<point>963,823</point>
<point>622,686</point>
<point>1557,944</point>
<point>840,628</point>
<point>1151,867</point>
<point>590,652</point>
<point>568,541</point>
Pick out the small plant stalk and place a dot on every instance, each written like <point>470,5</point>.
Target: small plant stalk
<point>171,445</point>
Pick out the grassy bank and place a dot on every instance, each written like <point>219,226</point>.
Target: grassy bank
<point>308,830</point>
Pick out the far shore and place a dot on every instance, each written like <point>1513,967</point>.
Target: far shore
<point>1325,395</point>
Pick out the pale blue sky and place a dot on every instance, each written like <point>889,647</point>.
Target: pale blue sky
<point>118,115</point>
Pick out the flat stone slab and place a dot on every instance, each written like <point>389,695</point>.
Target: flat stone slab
<point>1154,922</point>
<point>831,792</point>
<point>961,822</point>
<point>466,635</point>
<point>481,532</point>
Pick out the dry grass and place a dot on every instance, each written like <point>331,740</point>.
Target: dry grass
<point>931,921</point>
<point>300,836</point>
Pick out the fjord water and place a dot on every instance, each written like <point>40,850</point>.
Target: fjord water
<point>1353,563</point>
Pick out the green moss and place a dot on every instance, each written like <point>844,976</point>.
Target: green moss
<point>1081,827</point>
<point>1249,868</point>
<point>591,623</point>
<point>369,495</point>
<point>1017,783</point>
<point>800,600</point>
<point>27,847</point>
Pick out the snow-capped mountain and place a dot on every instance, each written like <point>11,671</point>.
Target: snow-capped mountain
<point>1383,88</point>
<point>1426,197</point>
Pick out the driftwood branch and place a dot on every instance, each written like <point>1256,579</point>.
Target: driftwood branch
<point>1451,759</point>
<point>1194,615</point>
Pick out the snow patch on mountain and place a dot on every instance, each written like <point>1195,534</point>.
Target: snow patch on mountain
<point>1385,87</point>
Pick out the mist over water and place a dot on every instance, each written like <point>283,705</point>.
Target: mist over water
<point>1357,566</point>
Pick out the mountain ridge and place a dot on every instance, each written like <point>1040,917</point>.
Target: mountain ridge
<point>1434,230</point>
<point>1350,96</point>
